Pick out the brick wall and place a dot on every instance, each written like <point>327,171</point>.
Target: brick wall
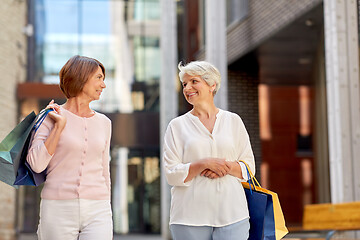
<point>266,17</point>
<point>243,100</point>
<point>13,71</point>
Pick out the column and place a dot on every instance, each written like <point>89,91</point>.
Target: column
<point>215,45</point>
<point>119,197</point>
<point>342,80</point>
<point>168,95</point>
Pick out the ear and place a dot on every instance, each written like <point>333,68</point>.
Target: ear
<point>213,88</point>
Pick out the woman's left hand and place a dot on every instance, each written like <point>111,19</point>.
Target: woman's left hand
<point>209,174</point>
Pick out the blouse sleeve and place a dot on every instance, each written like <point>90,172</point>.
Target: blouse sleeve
<point>106,158</point>
<point>38,156</point>
<point>245,151</point>
<point>175,170</point>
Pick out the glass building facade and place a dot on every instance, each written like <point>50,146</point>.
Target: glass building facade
<point>124,36</point>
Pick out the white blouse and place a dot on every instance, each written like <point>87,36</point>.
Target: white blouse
<point>204,201</point>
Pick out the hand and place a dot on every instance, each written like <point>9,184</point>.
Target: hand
<point>232,166</point>
<point>209,174</point>
<point>56,115</point>
<point>217,166</point>
<point>235,169</point>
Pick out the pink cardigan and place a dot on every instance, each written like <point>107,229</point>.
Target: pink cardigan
<point>79,168</point>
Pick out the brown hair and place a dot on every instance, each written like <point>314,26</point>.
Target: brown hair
<point>75,73</point>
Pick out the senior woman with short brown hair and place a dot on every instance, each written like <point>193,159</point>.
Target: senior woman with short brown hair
<point>202,149</point>
<point>73,144</point>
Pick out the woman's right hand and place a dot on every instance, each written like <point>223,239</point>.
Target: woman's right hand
<point>56,115</point>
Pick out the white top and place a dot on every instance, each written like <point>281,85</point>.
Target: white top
<point>204,201</point>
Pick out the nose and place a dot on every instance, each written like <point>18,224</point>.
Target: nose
<point>187,86</point>
<point>103,85</point>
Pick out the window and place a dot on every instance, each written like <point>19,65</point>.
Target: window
<point>236,10</point>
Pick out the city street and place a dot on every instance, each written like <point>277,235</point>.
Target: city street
<point>135,89</point>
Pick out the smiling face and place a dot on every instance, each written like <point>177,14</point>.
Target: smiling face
<point>94,85</point>
<point>196,90</point>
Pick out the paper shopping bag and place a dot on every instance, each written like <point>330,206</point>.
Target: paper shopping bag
<point>266,217</point>
<point>14,169</point>
<point>25,175</point>
<point>11,148</point>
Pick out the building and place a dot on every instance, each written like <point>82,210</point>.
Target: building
<point>291,73</point>
<point>13,67</point>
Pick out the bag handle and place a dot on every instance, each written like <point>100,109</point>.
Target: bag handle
<point>252,179</point>
<point>44,113</point>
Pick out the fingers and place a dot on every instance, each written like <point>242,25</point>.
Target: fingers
<point>59,118</point>
<point>54,106</point>
<point>219,166</point>
<point>213,175</point>
<point>209,174</point>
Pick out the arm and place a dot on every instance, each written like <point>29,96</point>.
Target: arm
<point>235,169</point>
<point>245,154</point>
<point>53,139</point>
<point>59,125</point>
<point>44,144</point>
<point>106,158</point>
<point>175,170</point>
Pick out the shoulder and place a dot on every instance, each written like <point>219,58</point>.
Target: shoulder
<point>178,121</point>
<point>103,118</point>
<point>233,120</point>
<point>176,125</point>
<point>230,115</point>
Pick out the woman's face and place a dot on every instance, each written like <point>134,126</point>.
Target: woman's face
<point>196,90</point>
<point>94,85</point>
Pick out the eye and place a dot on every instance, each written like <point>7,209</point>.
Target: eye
<point>194,81</point>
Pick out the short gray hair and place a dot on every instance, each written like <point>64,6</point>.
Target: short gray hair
<point>205,70</point>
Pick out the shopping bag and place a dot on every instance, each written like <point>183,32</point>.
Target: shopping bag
<point>266,217</point>
<point>25,175</point>
<point>14,169</point>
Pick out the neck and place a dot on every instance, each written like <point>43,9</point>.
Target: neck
<point>78,106</point>
<point>207,110</point>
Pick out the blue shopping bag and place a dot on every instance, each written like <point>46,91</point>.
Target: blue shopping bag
<point>262,225</point>
<point>266,218</point>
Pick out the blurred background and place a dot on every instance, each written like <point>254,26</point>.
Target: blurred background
<point>289,68</point>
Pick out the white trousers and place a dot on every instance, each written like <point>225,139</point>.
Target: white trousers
<point>75,219</point>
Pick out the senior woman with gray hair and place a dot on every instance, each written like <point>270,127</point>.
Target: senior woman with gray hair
<point>202,149</point>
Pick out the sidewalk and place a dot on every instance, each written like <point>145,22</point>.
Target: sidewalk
<point>116,237</point>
